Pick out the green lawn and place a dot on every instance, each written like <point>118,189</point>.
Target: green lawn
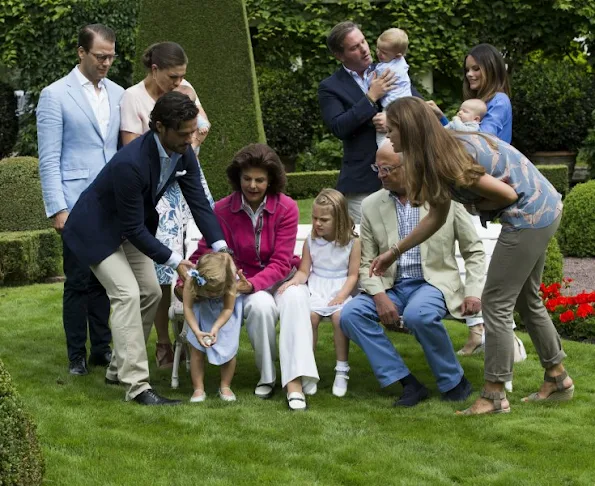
<point>305,207</point>
<point>90,436</point>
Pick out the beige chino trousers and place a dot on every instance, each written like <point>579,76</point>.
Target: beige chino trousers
<point>130,281</point>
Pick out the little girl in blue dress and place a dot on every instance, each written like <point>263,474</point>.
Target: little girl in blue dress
<point>213,311</point>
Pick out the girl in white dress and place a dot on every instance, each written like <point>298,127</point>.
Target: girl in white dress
<point>214,314</point>
<point>330,266</point>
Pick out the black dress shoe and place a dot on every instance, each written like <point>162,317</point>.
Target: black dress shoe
<point>411,396</point>
<point>459,393</point>
<point>149,397</point>
<point>78,367</point>
<point>100,359</point>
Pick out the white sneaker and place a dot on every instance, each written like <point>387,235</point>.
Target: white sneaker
<point>264,391</point>
<point>520,354</point>
<point>340,384</point>
<point>296,401</point>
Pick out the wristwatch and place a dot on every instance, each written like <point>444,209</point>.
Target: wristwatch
<point>225,249</point>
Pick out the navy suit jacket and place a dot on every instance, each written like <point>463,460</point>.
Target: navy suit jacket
<point>120,204</point>
<point>348,115</point>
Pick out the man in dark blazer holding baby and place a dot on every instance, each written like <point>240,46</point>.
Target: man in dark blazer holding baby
<point>112,229</point>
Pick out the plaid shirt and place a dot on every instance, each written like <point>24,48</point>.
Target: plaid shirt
<point>409,263</point>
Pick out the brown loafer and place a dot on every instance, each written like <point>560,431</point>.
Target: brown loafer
<point>164,355</point>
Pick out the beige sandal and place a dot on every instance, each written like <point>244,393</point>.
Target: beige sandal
<point>561,394</point>
<point>495,397</point>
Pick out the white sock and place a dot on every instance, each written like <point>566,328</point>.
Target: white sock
<point>342,366</point>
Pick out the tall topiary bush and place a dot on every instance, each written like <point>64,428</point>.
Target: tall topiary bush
<point>21,203</point>
<point>577,229</point>
<point>21,462</point>
<point>9,124</point>
<point>553,271</point>
<point>221,69</point>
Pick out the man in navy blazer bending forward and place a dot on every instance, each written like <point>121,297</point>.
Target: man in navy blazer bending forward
<point>112,229</point>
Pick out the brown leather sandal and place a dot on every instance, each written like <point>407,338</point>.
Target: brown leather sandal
<point>495,397</point>
<point>561,394</point>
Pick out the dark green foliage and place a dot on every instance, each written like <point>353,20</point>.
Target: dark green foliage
<point>221,69</point>
<point>21,203</point>
<point>325,154</point>
<point>9,124</point>
<point>577,229</point>
<point>589,147</point>
<point>557,175</point>
<point>39,37</point>
<point>21,461</point>
<point>29,256</point>
<point>302,185</point>
<point>553,271</point>
<point>288,115</point>
<point>552,104</point>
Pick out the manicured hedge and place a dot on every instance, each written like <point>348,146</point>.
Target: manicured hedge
<point>29,256</point>
<point>303,185</point>
<point>21,461</point>
<point>577,229</point>
<point>557,175</point>
<point>21,203</point>
<point>214,34</point>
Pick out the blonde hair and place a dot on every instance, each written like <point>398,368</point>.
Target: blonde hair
<point>396,40</point>
<point>435,160</point>
<point>344,226</point>
<point>477,106</point>
<point>219,272</point>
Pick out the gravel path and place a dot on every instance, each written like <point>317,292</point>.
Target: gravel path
<point>582,271</point>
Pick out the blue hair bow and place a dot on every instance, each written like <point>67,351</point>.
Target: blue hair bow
<point>195,274</point>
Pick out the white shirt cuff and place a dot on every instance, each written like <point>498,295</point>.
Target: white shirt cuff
<point>174,260</point>
<point>218,245</point>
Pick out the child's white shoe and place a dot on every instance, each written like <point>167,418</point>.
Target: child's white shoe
<point>508,386</point>
<point>201,397</point>
<point>340,384</point>
<point>227,398</point>
<point>296,401</point>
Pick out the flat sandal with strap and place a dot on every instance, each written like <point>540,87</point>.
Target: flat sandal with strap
<point>495,397</point>
<point>561,394</point>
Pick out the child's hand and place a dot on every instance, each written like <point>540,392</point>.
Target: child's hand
<point>432,104</point>
<point>203,130</point>
<point>338,300</point>
<point>214,333</point>
<point>285,286</point>
<point>201,339</point>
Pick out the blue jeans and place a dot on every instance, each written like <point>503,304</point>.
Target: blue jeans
<point>422,307</point>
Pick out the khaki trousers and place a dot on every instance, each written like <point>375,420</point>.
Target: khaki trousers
<point>130,281</point>
<point>513,281</point>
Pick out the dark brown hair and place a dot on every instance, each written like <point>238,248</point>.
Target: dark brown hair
<point>337,35</point>
<point>164,55</point>
<point>493,70</point>
<point>260,156</point>
<point>88,32</point>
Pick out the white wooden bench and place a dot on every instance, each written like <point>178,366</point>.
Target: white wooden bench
<point>488,236</point>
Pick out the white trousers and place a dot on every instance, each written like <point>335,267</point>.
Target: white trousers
<point>292,308</point>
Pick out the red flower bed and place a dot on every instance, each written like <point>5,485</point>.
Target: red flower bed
<point>573,315</point>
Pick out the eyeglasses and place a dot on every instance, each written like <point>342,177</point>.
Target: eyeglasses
<point>385,169</point>
<point>104,57</point>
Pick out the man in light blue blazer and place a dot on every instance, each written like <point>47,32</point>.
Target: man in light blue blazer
<point>78,123</point>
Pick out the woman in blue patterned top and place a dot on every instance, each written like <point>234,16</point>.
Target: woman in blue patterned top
<point>485,77</point>
<point>494,179</point>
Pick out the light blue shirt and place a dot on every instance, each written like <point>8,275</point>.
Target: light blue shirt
<point>362,82</point>
<point>167,163</point>
<point>400,68</point>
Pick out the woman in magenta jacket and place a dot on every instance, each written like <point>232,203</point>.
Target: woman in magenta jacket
<point>260,225</point>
